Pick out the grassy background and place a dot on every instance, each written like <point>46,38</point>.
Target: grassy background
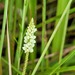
<point>54,51</point>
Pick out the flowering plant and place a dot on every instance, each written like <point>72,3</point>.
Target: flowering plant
<point>29,39</point>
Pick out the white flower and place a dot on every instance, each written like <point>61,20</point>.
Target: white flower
<point>29,39</point>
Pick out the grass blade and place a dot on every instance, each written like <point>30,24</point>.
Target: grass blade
<point>8,44</point>
<point>3,32</point>
<point>51,38</point>
<point>67,58</point>
<point>18,51</point>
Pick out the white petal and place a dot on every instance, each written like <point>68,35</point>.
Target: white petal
<point>23,48</point>
<point>31,50</point>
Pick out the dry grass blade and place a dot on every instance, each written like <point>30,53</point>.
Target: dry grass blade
<point>9,57</point>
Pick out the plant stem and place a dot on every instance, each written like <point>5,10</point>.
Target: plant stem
<point>18,51</point>
<point>9,57</point>
<point>44,38</point>
<point>25,64</point>
<point>3,32</point>
<point>55,18</point>
<point>66,58</point>
<point>10,26</point>
<point>59,39</point>
<point>3,27</point>
<point>6,62</point>
<point>51,38</point>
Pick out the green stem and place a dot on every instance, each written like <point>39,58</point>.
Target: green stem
<point>67,58</point>
<point>8,44</point>
<point>55,18</point>
<point>51,38</point>
<point>25,64</point>
<point>44,40</point>
<point>3,32</point>
<point>3,27</point>
<point>58,43</point>
<point>6,62</point>
<point>10,26</point>
<point>18,51</point>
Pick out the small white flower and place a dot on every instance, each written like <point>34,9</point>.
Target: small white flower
<point>29,39</point>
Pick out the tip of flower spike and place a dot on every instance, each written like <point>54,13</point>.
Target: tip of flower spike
<point>32,22</point>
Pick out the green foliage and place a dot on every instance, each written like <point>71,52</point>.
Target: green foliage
<point>54,51</point>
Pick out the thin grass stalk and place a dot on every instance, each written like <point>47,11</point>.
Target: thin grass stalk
<point>3,32</point>
<point>67,58</point>
<point>55,18</point>
<point>66,69</point>
<point>61,70</point>
<point>13,67</point>
<point>57,42</point>
<point>10,14</point>
<point>14,27</point>
<point>18,51</point>
<point>59,39</point>
<point>6,57</point>
<point>51,38</point>
<point>63,39</point>
<point>10,20</point>
<point>9,55</point>
<point>25,64</point>
<point>44,38</point>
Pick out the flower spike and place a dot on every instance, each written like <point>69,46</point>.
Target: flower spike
<point>29,39</point>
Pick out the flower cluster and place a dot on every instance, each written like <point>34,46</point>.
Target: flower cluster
<point>29,39</point>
